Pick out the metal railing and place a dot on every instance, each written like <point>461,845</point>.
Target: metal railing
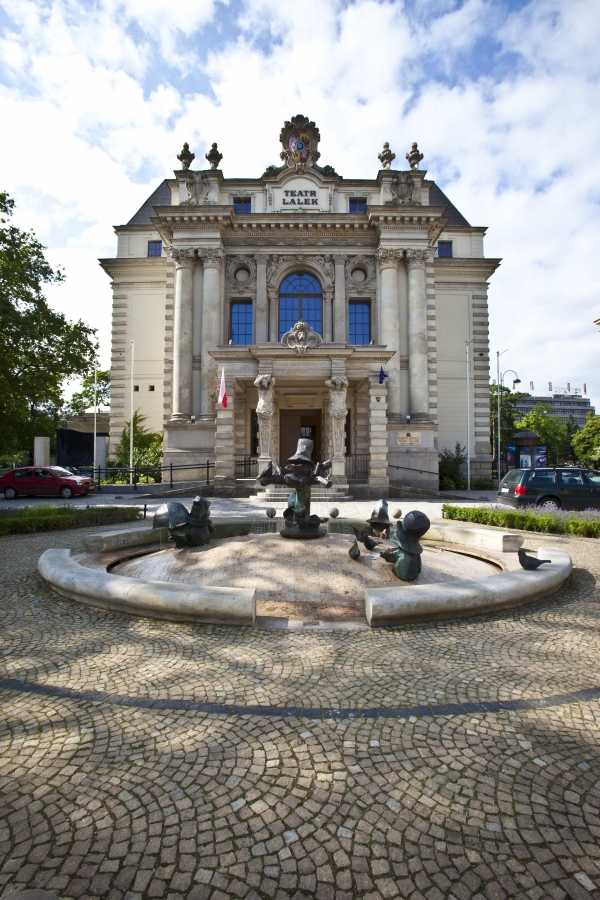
<point>357,465</point>
<point>155,474</point>
<point>246,466</point>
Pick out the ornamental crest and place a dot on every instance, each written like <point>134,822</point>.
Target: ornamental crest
<point>300,140</point>
<point>301,338</point>
<point>403,189</point>
<point>198,189</point>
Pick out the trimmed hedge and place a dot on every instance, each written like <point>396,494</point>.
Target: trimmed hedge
<point>524,520</point>
<point>33,519</point>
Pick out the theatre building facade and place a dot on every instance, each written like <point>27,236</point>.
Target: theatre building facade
<point>339,309</point>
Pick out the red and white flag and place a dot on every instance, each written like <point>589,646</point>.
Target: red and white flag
<point>223,390</point>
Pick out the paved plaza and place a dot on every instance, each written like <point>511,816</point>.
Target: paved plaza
<point>444,760</point>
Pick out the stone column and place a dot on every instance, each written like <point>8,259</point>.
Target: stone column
<point>390,326</point>
<point>225,440</point>
<point>339,306</point>
<point>261,330</point>
<point>211,311</point>
<point>265,409</point>
<point>183,334</point>
<point>273,317</point>
<point>338,385</point>
<point>378,439</point>
<point>417,337</point>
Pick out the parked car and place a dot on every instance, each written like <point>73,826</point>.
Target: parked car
<point>566,487</point>
<point>49,481</point>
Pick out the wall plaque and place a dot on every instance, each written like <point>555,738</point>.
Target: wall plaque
<point>409,439</point>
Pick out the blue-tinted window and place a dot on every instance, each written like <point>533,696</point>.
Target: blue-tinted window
<point>300,297</point>
<point>445,248</point>
<point>243,205</point>
<point>241,322</point>
<point>359,323</point>
<point>154,248</point>
<point>358,205</point>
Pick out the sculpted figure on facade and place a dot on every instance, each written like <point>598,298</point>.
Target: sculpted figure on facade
<point>264,411</point>
<point>338,385</point>
<point>198,189</point>
<point>301,338</point>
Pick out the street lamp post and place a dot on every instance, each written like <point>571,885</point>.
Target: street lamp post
<point>468,343</point>
<point>131,420</point>
<point>516,380</point>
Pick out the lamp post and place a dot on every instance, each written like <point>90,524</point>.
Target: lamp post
<point>516,380</point>
<point>131,348</point>
<point>468,343</point>
<point>95,417</point>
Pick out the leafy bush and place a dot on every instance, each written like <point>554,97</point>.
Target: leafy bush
<point>451,463</point>
<point>31,519</point>
<point>485,484</point>
<point>584,524</point>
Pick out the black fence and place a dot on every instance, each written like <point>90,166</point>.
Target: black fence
<point>246,466</point>
<point>147,474</point>
<point>357,466</point>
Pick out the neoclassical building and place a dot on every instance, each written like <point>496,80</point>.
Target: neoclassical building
<point>339,308</point>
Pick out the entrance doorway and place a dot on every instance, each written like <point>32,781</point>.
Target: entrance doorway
<point>295,424</point>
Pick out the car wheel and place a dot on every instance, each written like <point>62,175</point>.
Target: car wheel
<point>10,493</point>
<point>67,493</point>
<point>549,504</point>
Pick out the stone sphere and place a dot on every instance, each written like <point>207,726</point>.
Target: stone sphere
<point>397,513</point>
<point>271,512</point>
<point>334,512</point>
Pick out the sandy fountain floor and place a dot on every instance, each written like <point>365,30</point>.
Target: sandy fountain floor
<point>312,580</point>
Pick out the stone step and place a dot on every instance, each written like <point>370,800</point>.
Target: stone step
<point>318,495</point>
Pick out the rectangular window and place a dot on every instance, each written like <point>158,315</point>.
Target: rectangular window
<point>136,387</point>
<point>359,323</point>
<point>150,387</point>
<point>358,204</point>
<point>445,249</point>
<point>241,322</point>
<point>154,248</point>
<point>243,204</point>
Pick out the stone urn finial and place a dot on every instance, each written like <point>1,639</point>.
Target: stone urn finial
<point>185,157</point>
<point>414,157</point>
<point>386,157</point>
<point>214,157</point>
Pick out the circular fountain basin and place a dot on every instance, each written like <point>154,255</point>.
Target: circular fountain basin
<point>317,584</point>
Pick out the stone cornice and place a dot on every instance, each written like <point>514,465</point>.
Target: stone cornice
<point>371,353</point>
<point>138,266</point>
<point>465,266</point>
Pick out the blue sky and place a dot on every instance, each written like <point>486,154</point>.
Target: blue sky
<point>501,96</point>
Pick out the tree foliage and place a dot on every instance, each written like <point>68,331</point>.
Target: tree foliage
<point>451,468</point>
<point>586,442</point>
<point>508,414</point>
<point>39,348</point>
<point>551,430</point>
<point>147,445</point>
<point>84,399</point>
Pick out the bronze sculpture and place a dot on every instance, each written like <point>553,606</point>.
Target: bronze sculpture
<point>301,473</point>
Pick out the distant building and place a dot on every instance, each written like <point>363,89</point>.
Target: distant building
<point>563,406</point>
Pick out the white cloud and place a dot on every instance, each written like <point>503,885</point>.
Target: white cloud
<point>93,98</point>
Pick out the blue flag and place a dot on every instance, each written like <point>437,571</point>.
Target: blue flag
<point>382,375</point>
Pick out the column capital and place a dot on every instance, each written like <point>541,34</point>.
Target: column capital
<point>212,258</point>
<point>339,259</point>
<point>261,258</point>
<point>388,259</point>
<point>416,259</point>
<point>182,258</point>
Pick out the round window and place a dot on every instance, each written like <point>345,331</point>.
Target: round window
<point>358,275</point>
<point>242,275</point>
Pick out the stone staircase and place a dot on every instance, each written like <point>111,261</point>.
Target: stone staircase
<point>278,493</point>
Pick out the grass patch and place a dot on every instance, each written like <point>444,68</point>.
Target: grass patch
<point>584,524</point>
<point>33,519</point>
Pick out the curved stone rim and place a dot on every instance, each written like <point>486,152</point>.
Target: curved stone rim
<point>300,712</point>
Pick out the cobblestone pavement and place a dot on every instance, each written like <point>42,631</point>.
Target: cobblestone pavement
<point>101,800</point>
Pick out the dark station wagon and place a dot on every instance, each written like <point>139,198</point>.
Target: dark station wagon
<point>551,488</point>
<point>46,481</point>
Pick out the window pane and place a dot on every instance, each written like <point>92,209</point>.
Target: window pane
<point>289,313</point>
<point>300,297</point>
<point>311,313</point>
<point>241,323</point>
<point>242,205</point>
<point>359,323</point>
<point>358,205</point>
<point>445,248</point>
<point>154,248</point>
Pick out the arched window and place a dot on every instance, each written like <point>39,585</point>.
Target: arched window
<point>300,297</point>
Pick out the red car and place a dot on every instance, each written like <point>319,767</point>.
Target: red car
<point>50,481</point>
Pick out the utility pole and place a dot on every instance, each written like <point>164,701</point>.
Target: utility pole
<point>95,416</point>
<point>498,355</point>
<point>468,418</point>
<point>131,420</point>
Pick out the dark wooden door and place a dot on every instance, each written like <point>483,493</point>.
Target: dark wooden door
<point>297,423</point>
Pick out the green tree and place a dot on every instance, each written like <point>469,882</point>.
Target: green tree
<point>572,429</point>
<point>147,445</point>
<point>508,414</point>
<point>551,430</point>
<point>84,399</point>
<point>451,468</point>
<point>586,443</point>
<point>39,348</point>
